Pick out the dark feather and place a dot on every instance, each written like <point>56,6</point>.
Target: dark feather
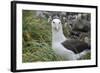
<point>75,45</point>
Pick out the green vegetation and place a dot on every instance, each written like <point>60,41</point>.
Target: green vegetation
<point>87,56</point>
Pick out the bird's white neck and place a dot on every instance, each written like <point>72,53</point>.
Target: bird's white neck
<point>58,36</point>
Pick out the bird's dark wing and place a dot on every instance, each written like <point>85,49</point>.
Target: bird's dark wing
<point>75,45</point>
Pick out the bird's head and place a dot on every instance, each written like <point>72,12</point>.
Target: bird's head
<point>56,24</point>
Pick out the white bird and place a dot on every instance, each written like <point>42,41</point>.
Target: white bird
<point>67,48</point>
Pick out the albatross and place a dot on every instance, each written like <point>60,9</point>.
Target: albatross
<point>69,49</point>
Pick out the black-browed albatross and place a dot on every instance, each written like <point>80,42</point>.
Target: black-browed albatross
<point>68,48</point>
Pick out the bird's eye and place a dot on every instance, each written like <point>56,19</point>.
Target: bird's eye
<point>53,22</point>
<point>59,22</point>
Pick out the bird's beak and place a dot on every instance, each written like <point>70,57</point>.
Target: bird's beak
<point>57,28</point>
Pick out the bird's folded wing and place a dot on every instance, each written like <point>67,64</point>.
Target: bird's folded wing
<point>75,45</point>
